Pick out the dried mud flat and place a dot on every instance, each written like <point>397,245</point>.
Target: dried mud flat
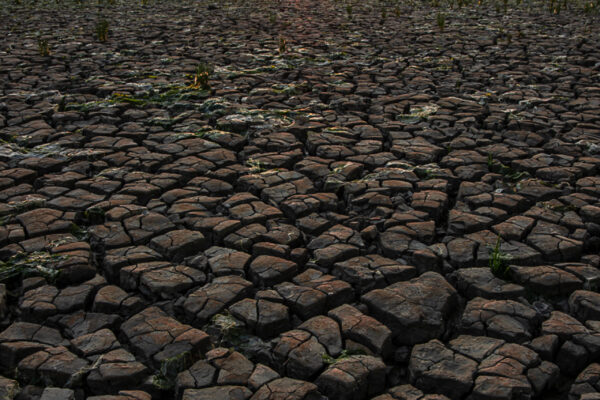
<point>358,204</point>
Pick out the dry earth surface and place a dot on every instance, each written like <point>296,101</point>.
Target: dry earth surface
<point>364,201</point>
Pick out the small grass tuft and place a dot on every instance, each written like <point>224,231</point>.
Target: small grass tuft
<point>165,377</point>
<point>94,215</point>
<point>272,18</point>
<point>102,30</point>
<point>60,107</point>
<point>507,172</point>
<point>441,21</point>
<point>77,231</point>
<point>590,7</point>
<point>282,44</point>
<point>255,165</point>
<point>490,162</point>
<point>43,47</point>
<point>327,359</point>
<point>498,261</point>
<point>202,76</point>
<point>229,327</point>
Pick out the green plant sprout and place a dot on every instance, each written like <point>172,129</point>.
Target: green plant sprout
<point>327,359</point>
<point>165,377</point>
<point>43,47</point>
<point>498,261</point>
<point>201,76</point>
<point>441,21</point>
<point>282,45</point>
<point>255,165</point>
<point>508,173</point>
<point>102,30</point>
